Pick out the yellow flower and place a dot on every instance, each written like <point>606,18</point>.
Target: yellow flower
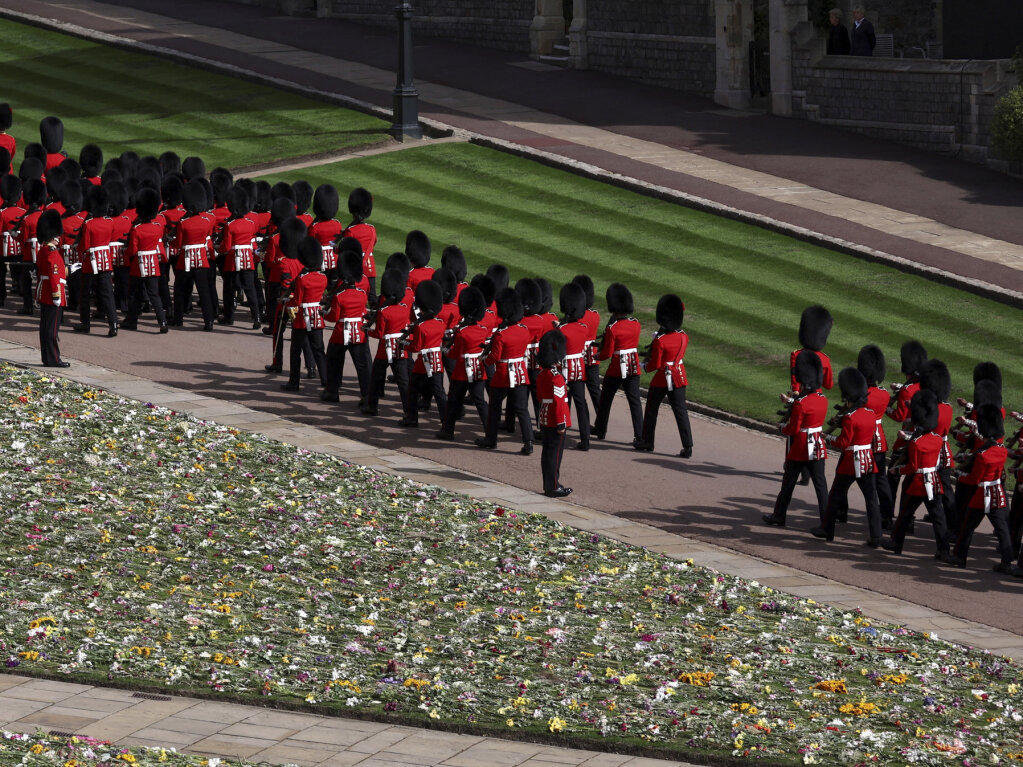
<point>510,722</point>
<point>831,685</point>
<point>556,724</point>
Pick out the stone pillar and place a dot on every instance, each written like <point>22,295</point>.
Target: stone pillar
<point>733,21</point>
<point>577,47</point>
<point>547,28</point>
<point>785,16</point>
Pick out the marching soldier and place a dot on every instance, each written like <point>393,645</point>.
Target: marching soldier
<point>935,377</point>
<point>856,441</point>
<point>621,346</point>
<point>11,214</point>
<point>469,374</point>
<point>52,291</point>
<point>814,328</point>
<point>572,301</point>
<point>143,251</point>
<point>871,363</point>
<point>508,352</point>
<point>305,289</point>
<point>281,246</point>
<point>391,322</point>
<point>7,141</point>
<point>326,229</point>
<point>553,416</point>
<point>193,240</point>
<point>805,426</point>
<point>425,343</point>
<point>418,248</point>
<point>665,360</point>
<point>348,311</point>
<point>360,206</point>
<point>913,357</point>
<point>51,136</point>
<point>237,246</point>
<point>34,197</point>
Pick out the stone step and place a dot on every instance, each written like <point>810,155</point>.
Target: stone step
<point>555,61</point>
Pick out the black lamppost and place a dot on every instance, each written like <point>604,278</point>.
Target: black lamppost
<point>406,97</point>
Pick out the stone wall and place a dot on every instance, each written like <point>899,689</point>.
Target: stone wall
<point>669,43</point>
<point>939,105</point>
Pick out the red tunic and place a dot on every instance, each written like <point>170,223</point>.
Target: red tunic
<point>325,232</point>
<point>94,245</point>
<point>171,217</point>
<point>828,375</point>
<point>552,393</point>
<point>52,288</point>
<point>899,410</point>
<point>120,226</point>
<point>306,294</point>
<point>238,244</point>
<point>290,269</point>
<point>666,354</point>
<point>27,236</point>
<point>923,455</point>
<point>390,325</point>
<point>856,441</point>
<point>467,352</point>
<point>986,474</point>
<point>577,336</point>
<point>69,242</point>
<point>194,242</point>
<point>621,341</point>
<point>427,337</point>
<point>508,355</point>
<point>592,320</point>
<point>145,249</point>
<point>9,219</point>
<point>348,312</point>
<point>805,425</point>
<point>7,142</point>
<point>537,327</point>
<point>422,274</point>
<point>449,313</point>
<point>366,234</point>
<point>877,400</point>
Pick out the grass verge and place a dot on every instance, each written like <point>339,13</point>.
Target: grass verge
<point>130,101</point>
<point>151,549</point>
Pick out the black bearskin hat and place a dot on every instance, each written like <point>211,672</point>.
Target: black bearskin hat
<point>193,168</point>
<point>238,201</point>
<point>532,298</point>
<point>34,192</point>
<point>350,265</point>
<point>448,283</point>
<point>149,177</point>
<point>417,248</point>
<point>551,349</point>
<point>853,386</point>
<point>452,258</point>
<point>221,181</point>
<point>292,232</point>
<point>871,363</point>
<point>987,392</point>
<point>91,160</point>
<point>392,284</point>
<point>194,197</point>
<point>670,312</point>
<point>208,190</point>
<point>988,371</point>
<point>10,188</point>
<point>147,204</point>
<point>360,204</point>
<point>49,226</point>
<point>171,190</point>
<point>499,274</point>
<point>37,151</point>
<point>282,210</point>
<point>56,178</point>
<point>310,253</point>
<point>262,200</point>
<point>51,134</point>
<point>31,167</point>
<point>936,378</point>
<point>486,286</point>
<point>584,282</point>
<point>303,195</point>
<point>282,189</point>
<point>471,304</point>
<point>325,201</point>
<point>98,202</point>
<point>573,302</point>
<point>429,299</point>
<point>170,162</point>
<point>400,262</point>
<point>71,197</point>
<point>117,195</point>
<point>509,306</point>
<point>250,188</point>
<point>111,174</point>
<point>990,423</point>
<point>349,243</point>
<point>546,295</point>
<point>814,327</point>
<point>923,409</point>
<point>72,167</point>
<point>914,357</point>
<point>619,299</point>
<point>809,371</point>
<point>129,163</point>
<point>6,117</point>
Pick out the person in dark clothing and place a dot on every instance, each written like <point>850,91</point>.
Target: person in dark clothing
<point>863,38</point>
<point>838,35</point>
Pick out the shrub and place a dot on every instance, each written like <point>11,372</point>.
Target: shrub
<point>1007,125</point>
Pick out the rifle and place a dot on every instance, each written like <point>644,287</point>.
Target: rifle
<point>449,335</point>
<point>835,422</point>
<point>900,457</point>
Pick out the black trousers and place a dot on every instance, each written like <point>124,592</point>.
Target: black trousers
<point>122,287</point>
<point>948,500</point>
<point>577,393</point>
<point>789,477</point>
<point>884,488</point>
<point>247,280</point>
<point>553,439</point>
<point>999,521</point>
<point>183,283</point>
<point>104,285</point>
<point>21,275</point>
<point>419,385</point>
<point>310,343</point>
<point>379,377</point>
<point>592,373</point>
<point>336,366</point>
<point>907,510</point>
<point>456,395</point>
<point>141,287</point>
<point>608,389</point>
<point>49,330</point>
<point>1016,519</point>
<point>165,294</point>
<point>3,280</point>
<point>677,401</point>
<point>838,502</point>
<point>519,396</point>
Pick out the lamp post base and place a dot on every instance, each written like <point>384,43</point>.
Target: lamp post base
<point>406,115</point>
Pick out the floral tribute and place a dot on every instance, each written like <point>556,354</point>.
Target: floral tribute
<point>42,750</point>
<point>144,545</point>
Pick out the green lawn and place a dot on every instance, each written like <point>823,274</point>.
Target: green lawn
<point>128,101</point>
<point>744,287</point>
